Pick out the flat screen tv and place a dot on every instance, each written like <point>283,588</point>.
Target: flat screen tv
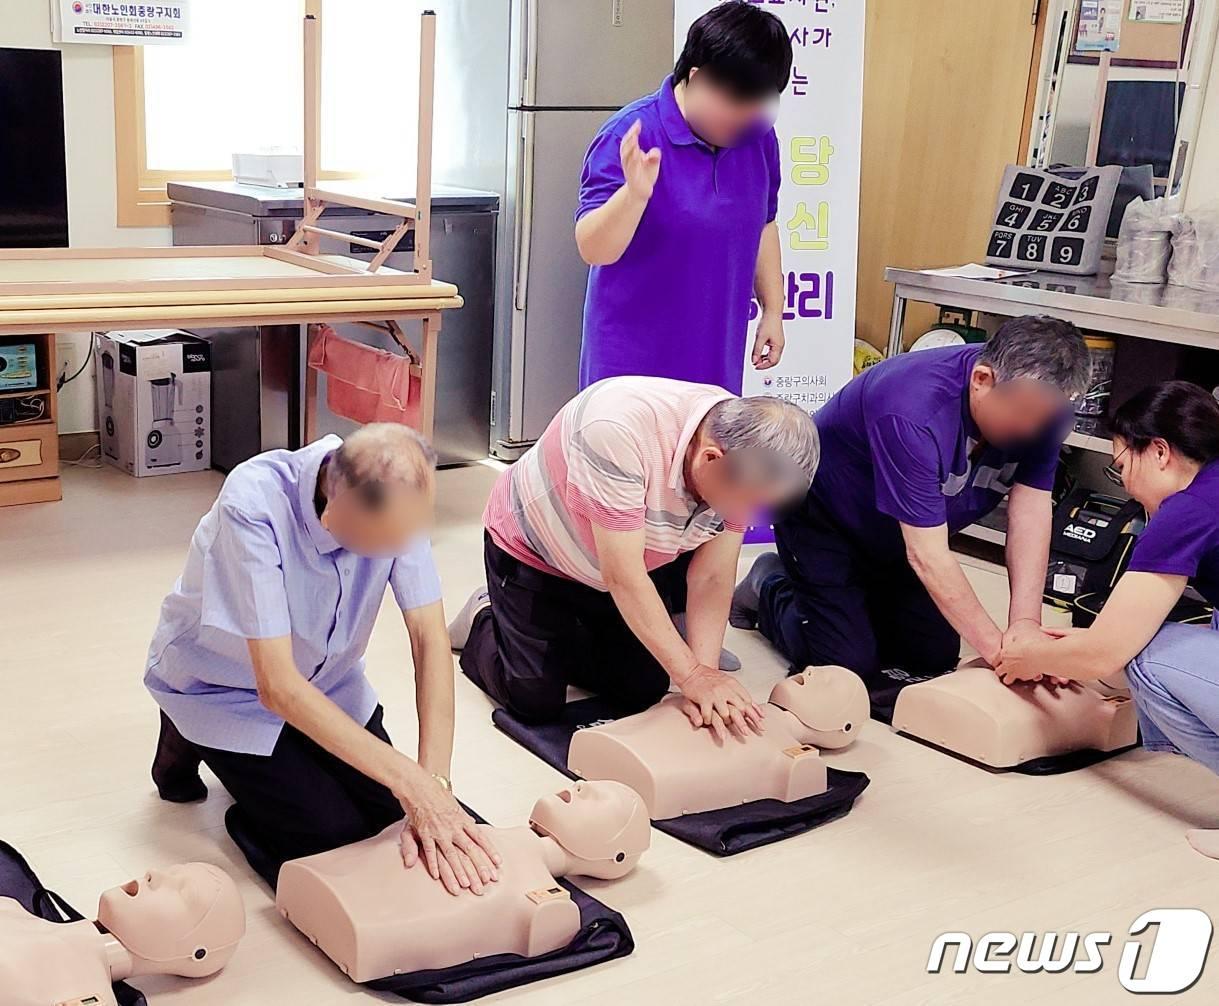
<point>33,169</point>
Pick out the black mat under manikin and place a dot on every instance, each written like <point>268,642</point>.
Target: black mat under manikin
<point>19,882</point>
<point>721,832</point>
<point>884,701</point>
<point>603,936</point>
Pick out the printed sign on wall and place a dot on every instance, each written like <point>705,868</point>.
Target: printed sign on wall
<point>1157,11</point>
<point>1100,26</point>
<point>819,135</point>
<point>120,23</point>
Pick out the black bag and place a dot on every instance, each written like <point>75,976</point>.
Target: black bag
<point>1090,545</point>
<point>19,882</point>
<point>1191,609</point>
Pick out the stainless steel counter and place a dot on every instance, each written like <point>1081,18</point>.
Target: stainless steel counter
<point>1096,303</point>
<point>1168,314</point>
<point>262,201</point>
<point>258,371</point>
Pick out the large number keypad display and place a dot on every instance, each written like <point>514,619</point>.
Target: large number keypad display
<point>1043,221</point>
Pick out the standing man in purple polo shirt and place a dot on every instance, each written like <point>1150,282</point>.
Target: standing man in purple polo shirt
<point>678,199</point>
<point>913,450</point>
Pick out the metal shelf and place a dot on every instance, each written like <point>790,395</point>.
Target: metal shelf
<point>1084,441</point>
<point>984,533</point>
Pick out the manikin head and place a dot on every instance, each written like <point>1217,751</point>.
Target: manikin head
<point>831,702</point>
<point>751,454</point>
<point>379,489</point>
<point>1026,378</point>
<point>736,62</point>
<point>1161,438</point>
<point>602,826</point>
<point>183,920</point>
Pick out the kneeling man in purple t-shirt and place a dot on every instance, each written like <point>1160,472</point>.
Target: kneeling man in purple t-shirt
<point>913,450</point>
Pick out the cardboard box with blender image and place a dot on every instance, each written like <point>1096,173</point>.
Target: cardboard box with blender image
<point>154,395</point>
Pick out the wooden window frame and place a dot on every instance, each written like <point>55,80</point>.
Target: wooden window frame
<point>141,199</point>
<point>140,192</point>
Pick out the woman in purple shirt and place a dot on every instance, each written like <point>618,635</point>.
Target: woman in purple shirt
<point>678,199</point>
<point>1166,454</point>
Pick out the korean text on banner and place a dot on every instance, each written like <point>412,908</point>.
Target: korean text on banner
<point>819,126</point>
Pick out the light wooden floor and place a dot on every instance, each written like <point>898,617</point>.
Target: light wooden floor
<point>841,916</point>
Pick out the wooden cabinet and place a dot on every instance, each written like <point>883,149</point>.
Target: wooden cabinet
<point>29,450</point>
<point>945,83</point>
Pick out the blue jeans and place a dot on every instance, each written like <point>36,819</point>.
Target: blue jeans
<point>1175,684</point>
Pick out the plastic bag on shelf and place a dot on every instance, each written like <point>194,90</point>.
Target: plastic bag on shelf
<point>1195,250</point>
<point>1144,243</point>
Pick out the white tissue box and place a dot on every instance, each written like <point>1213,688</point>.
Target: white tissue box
<point>274,169</point>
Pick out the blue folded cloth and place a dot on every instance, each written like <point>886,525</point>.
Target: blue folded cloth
<point>721,832</point>
<point>19,882</point>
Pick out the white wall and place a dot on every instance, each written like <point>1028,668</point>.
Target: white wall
<point>88,87</point>
<point>1204,174</point>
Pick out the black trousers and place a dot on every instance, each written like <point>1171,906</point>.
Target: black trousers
<point>836,604</point>
<point>542,633</point>
<point>300,799</point>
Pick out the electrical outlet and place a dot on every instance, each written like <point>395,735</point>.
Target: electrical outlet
<point>71,351</point>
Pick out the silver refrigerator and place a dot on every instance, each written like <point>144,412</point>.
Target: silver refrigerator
<point>522,87</point>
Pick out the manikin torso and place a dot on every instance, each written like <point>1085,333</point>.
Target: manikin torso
<point>184,920</point>
<point>679,769</point>
<point>404,921</point>
<point>972,713</point>
<point>374,917</point>
<point>58,962</point>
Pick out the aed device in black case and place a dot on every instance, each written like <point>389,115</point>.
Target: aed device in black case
<point>1090,545</point>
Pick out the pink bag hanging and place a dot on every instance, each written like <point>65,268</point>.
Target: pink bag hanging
<point>366,384</point>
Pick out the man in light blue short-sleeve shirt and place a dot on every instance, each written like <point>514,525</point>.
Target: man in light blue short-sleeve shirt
<point>258,660</point>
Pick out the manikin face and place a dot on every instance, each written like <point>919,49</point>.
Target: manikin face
<point>830,701</point>
<point>717,115</point>
<point>380,532</point>
<point>1150,475</point>
<point>1012,412</point>
<point>185,919</point>
<point>599,821</point>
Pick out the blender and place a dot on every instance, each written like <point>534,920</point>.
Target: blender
<point>162,446</point>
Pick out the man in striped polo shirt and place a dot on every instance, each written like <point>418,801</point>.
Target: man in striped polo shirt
<point>629,509</point>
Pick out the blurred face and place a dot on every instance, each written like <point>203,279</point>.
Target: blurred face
<point>718,115</point>
<point>1150,475</point>
<point>1012,412</point>
<point>383,531</point>
<point>720,483</point>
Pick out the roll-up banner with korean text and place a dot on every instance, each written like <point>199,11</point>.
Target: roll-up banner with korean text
<point>819,126</point>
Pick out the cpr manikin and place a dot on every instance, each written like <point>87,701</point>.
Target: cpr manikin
<point>185,920</point>
<point>374,917</point>
<point>679,769</point>
<point>972,713</point>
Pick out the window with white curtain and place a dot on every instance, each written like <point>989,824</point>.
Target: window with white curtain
<point>236,86</point>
